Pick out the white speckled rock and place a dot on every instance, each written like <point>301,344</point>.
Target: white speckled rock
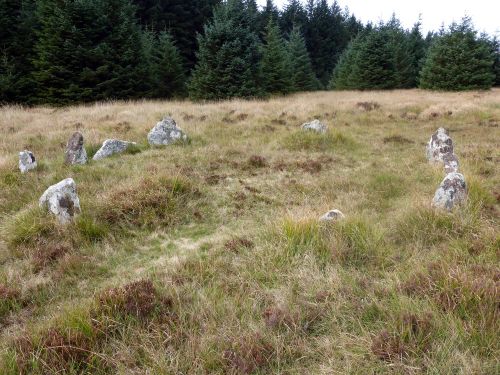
<point>75,152</point>
<point>332,215</point>
<point>450,163</point>
<point>27,161</point>
<point>439,145</point>
<point>110,147</point>
<point>315,126</point>
<point>165,133</point>
<point>61,200</point>
<point>451,192</point>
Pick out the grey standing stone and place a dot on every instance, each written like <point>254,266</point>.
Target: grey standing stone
<point>451,192</point>
<point>27,161</point>
<point>112,146</point>
<point>439,145</point>
<point>315,126</point>
<point>450,163</point>
<point>332,215</point>
<point>165,133</point>
<point>61,200</point>
<point>75,152</point>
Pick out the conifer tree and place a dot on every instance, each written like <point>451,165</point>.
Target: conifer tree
<point>403,58</point>
<point>458,60</point>
<point>302,74</point>
<point>228,56</point>
<point>169,78</point>
<point>293,14</point>
<point>274,66</point>
<point>344,75</point>
<point>182,19</point>
<point>17,40</point>
<point>89,50</point>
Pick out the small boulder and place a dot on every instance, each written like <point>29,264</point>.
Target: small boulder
<point>61,200</point>
<point>450,163</point>
<point>75,152</point>
<point>451,192</point>
<point>27,161</point>
<point>333,215</point>
<point>112,146</point>
<point>165,133</point>
<point>439,145</point>
<point>315,126</point>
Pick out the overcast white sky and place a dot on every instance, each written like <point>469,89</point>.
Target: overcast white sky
<point>484,13</point>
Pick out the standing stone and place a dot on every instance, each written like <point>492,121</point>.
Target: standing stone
<point>450,163</point>
<point>451,192</point>
<point>61,200</point>
<point>332,215</point>
<point>439,145</point>
<point>112,146</point>
<point>27,161</point>
<point>75,152</point>
<point>315,126</point>
<point>165,133</point>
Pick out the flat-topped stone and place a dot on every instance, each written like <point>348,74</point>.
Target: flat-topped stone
<point>451,193</point>
<point>332,215</point>
<point>111,147</point>
<point>27,161</point>
<point>315,125</point>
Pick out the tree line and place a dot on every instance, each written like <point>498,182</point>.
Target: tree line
<point>71,51</point>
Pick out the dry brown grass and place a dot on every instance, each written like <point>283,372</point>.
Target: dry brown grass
<point>207,257</point>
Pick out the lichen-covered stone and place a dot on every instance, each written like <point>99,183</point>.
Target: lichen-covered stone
<point>451,193</point>
<point>439,145</point>
<point>315,126</point>
<point>165,133</point>
<point>112,146</point>
<point>27,161</point>
<point>75,152</point>
<point>450,163</point>
<point>332,215</point>
<point>61,200</point>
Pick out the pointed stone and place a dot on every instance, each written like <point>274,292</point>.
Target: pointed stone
<point>439,145</point>
<point>75,152</point>
<point>165,133</point>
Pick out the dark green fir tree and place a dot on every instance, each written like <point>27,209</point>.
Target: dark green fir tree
<point>458,60</point>
<point>301,71</point>
<point>228,56</point>
<point>275,65</point>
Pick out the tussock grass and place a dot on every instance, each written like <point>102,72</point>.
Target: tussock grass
<point>208,257</point>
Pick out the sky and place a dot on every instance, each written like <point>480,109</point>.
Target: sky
<point>485,13</point>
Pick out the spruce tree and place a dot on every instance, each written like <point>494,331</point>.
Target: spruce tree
<point>345,75</point>
<point>183,19</point>
<point>293,15</point>
<point>274,66</point>
<point>17,41</point>
<point>302,74</point>
<point>403,58</point>
<point>228,56</point>
<point>458,60</point>
<point>89,50</point>
<point>169,78</point>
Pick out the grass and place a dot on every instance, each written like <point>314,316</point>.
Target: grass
<point>208,257</point>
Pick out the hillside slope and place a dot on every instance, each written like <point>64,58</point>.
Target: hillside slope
<point>208,257</point>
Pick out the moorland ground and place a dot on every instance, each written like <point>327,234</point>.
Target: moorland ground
<point>208,257</point>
